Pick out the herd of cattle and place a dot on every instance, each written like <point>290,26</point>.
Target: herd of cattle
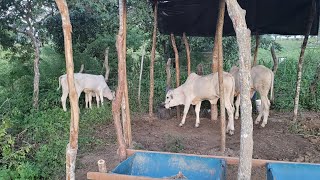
<point>195,90</point>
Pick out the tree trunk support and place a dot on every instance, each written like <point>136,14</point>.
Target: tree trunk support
<point>255,59</point>
<point>116,103</point>
<point>127,125</point>
<point>176,55</point>
<point>153,54</point>
<point>301,60</point>
<point>186,43</point>
<point>72,147</point>
<point>237,15</point>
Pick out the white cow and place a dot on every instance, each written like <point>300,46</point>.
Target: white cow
<point>199,88</point>
<point>87,82</point>
<point>262,81</point>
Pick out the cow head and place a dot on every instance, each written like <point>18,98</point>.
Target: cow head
<point>173,98</point>
<point>108,93</point>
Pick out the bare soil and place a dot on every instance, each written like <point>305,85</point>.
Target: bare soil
<point>274,142</point>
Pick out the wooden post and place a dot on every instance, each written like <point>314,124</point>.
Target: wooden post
<point>72,147</point>
<point>237,15</point>
<point>256,50</point>
<point>220,74</point>
<point>275,60</point>
<point>81,68</point>
<point>106,64</point>
<point>127,125</point>
<point>153,54</point>
<point>176,56</point>
<point>216,49</point>
<point>140,77</point>
<point>168,72</point>
<point>102,166</point>
<point>185,39</point>
<point>116,103</point>
<point>301,59</point>
<point>200,69</point>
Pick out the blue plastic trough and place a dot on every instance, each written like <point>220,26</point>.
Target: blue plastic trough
<point>293,171</point>
<point>161,165</point>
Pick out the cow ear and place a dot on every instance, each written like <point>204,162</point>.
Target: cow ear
<point>171,96</point>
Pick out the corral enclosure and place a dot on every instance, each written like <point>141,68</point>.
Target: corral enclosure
<point>33,141</point>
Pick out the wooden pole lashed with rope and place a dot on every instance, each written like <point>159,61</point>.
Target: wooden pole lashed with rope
<point>153,55</point>
<point>72,147</point>
<point>176,55</point>
<point>301,60</point>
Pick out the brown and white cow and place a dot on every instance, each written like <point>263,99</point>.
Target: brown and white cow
<point>87,82</point>
<point>199,88</point>
<point>262,81</point>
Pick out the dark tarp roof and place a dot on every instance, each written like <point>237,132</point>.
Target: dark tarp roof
<point>199,17</point>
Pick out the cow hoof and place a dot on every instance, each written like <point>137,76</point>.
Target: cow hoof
<point>180,124</point>
<point>256,122</point>
<point>197,125</point>
<point>263,125</point>
<point>236,117</point>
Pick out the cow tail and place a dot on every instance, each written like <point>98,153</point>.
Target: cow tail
<point>59,83</point>
<point>271,88</point>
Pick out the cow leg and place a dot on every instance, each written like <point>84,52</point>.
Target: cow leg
<point>98,100</point>
<point>258,119</point>
<point>197,109</point>
<point>266,107</point>
<point>90,100</point>
<point>64,96</point>
<point>101,97</point>
<point>230,111</point>
<point>237,107</point>
<point>86,97</point>
<point>63,101</point>
<point>185,111</point>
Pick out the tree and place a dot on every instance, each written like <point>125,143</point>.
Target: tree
<point>25,17</point>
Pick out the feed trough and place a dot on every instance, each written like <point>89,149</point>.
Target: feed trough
<point>172,166</point>
<point>293,171</point>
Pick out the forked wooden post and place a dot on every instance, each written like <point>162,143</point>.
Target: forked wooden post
<point>176,56</point>
<point>301,60</point>
<point>127,125</point>
<point>186,43</point>
<point>116,103</point>
<point>237,16</point>
<point>153,55</point>
<point>255,59</point>
<point>72,147</point>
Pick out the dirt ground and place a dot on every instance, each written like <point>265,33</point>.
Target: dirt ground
<point>273,142</point>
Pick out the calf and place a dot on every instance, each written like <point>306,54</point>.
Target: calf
<point>199,88</point>
<point>262,81</point>
<point>87,82</point>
